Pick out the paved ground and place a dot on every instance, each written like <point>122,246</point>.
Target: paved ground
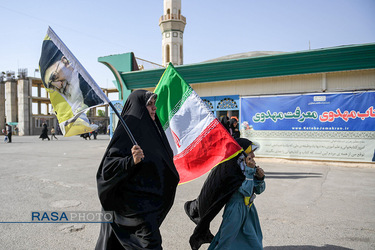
<point>306,205</point>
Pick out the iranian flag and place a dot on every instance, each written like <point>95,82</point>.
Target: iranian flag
<point>199,141</point>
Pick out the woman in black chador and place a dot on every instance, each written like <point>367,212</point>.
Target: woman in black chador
<point>137,182</point>
<point>233,128</point>
<point>44,134</point>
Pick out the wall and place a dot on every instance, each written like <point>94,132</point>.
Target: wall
<point>338,81</point>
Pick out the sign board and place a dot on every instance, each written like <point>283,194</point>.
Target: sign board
<point>333,126</point>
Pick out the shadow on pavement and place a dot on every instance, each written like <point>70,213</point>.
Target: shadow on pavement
<point>292,175</point>
<point>325,247</point>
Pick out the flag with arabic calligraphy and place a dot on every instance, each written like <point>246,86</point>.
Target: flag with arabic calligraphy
<point>199,141</point>
<point>71,89</point>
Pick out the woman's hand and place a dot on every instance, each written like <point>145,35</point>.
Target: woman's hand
<point>137,153</point>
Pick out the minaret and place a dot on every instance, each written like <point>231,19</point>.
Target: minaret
<point>172,25</point>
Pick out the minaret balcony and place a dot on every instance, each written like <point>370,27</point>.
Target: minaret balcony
<point>174,17</point>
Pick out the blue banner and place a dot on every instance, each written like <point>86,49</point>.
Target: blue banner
<point>315,112</point>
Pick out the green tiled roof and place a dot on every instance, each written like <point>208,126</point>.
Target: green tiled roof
<point>344,58</point>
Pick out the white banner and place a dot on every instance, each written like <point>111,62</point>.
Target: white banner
<point>335,146</point>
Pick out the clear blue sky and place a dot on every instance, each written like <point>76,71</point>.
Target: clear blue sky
<point>215,28</point>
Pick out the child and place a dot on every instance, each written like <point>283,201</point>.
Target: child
<point>53,132</point>
<point>6,137</point>
<point>240,228</point>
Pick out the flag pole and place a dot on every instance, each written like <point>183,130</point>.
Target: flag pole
<point>123,124</point>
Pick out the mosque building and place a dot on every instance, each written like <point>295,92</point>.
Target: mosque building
<point>315,104</point>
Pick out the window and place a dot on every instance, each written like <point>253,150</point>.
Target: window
<point>175,53</point>
<point>208,103</point>
<point>224,105</point>
<point>227,103</point>
<point>181,55</point>
<point>167,54</point>
<point>39,122</point>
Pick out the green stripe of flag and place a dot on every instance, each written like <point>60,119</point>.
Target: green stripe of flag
<point>172,91</point>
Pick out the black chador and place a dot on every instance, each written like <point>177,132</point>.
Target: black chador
<point>218,188</point>
<point>140,195</point>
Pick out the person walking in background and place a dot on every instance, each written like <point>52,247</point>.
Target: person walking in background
<point>224,120</point>
<point>53,133</point>
<point>233,128</point>
<point>94,132</point>
<point>16,130</point>
<point>44,134</point>
<point>8,132</point>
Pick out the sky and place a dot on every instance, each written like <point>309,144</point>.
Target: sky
<point>215,28</point>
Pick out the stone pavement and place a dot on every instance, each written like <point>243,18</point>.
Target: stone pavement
<point>306,205</point>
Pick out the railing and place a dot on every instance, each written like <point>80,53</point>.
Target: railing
<point>144,64</point>
<point>172,17</point>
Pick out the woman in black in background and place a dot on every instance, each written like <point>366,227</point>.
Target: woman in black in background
<point>233,128</point>
<point>44,134</point>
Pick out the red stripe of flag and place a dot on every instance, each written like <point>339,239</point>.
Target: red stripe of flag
<point>213,146</point>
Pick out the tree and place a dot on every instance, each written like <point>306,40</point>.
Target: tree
<point>101,113</point>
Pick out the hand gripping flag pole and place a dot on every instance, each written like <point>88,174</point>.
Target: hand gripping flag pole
<point>71,89</point>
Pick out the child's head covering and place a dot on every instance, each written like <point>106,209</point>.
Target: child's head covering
<point>247,145</point>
